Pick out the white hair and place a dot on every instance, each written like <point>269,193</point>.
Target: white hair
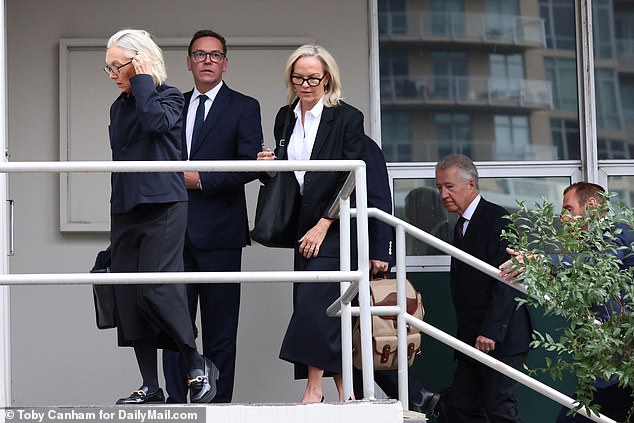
<point>134,41</point>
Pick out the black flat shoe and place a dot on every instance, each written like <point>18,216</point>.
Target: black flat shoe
<point>202,383</point>
<point>142,396</point>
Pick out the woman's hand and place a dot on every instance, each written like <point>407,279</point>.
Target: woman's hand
<point>141,64</point>
<point>266,154</point>
<point>309,244</point>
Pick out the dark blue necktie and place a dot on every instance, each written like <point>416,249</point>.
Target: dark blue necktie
<point>200,118</point>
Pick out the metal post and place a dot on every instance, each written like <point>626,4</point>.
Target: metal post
<point>401,301</point>
<point>585,88</point>
<point>346,314</point>
<point>364,283</point>
<point>5,350</point>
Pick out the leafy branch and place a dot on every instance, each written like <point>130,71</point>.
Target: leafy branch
<point>572,271</point>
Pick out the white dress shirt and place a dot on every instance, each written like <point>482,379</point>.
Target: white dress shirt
<point>302,139</point>
<point>191,112</point>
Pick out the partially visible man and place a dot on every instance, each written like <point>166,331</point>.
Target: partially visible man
<point>381,237</point>
<point>221,124</point>
<point>615,401</point>
<point>486,309</point>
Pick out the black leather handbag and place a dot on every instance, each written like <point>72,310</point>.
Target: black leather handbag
<point>103,294</point>
<point>277,210</point>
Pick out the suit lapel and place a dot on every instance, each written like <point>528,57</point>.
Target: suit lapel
<point>188,96</point>
<point>218,106</point>
<point>327,116</point>
<point>470,236</point>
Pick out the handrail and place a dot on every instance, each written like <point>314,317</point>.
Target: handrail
<point>358,280</point>
<point>404,318</point>
<point>358,277</point>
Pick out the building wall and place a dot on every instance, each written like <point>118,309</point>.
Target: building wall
<point>57,354</point>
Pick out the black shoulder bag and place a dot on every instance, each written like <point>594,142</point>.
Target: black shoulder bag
<point>277,210</point>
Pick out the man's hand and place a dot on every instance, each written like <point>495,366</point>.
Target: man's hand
<point>378,266</point>
<point>510,270</point>
<point>484,344</point>
<point>192,180</point>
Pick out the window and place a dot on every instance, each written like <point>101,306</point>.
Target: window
<point>512,139</point>
<point>562,74</point>
<point>447,18</point>
<point>608,115</point>
<point>566,139</point>
<point>559,18</point>
<point>397,143</point>
<point>453,133</point>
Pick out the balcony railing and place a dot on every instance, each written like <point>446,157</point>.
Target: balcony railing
<point>456,26</point>
<point>467,90</point>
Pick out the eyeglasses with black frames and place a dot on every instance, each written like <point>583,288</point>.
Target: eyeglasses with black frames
<point>115,69</point>
<point>201,56</point>
<point>312,81</point>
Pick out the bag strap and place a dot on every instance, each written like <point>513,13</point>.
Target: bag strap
<point>287,121</point>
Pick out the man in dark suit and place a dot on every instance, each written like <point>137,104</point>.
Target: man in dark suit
<point>486,309</point>
<point>221,124</point>
<point>381,237</point>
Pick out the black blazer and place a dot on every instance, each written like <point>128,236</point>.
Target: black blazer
<point>146,126</point>
<point>217,215</point>
<point>381,234</point>
<point>485,306</point>
<point>339,137</point>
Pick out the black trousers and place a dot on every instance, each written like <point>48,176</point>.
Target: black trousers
<point>219,312</point>
<point>481,394</point>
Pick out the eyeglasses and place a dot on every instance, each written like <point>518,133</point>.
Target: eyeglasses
<point>115,69</point>
<point>201,56</point>
<point>312,81</point>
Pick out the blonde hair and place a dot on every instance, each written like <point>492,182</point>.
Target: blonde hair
<point>332,97</point>
<point>134,41</point>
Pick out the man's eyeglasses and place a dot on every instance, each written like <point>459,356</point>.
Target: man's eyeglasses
<point>115,69</point>
<point>312,81</point>
<point>214,56</point>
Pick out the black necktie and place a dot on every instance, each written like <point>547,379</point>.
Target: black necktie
<point>200,117</point>
<point>458,232</point>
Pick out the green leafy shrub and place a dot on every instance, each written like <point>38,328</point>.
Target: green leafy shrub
<point>570,270</point>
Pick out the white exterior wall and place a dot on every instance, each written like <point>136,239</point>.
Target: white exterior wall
<point>57,356</point>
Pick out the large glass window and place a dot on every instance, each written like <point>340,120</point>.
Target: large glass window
<point>475,65</point>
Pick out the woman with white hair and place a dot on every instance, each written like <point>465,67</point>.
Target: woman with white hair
<point>148,216</point>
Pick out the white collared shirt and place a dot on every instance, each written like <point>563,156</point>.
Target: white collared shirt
<point>468,213</point>
<point>191,112</point>
<point>302,139</point>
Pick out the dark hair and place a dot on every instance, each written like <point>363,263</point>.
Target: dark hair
<point>584,191</point>
<point>208,33</point>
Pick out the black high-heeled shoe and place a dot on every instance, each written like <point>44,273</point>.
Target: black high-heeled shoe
<point>142,396</point>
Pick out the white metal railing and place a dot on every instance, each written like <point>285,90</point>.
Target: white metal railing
<point>359,277</point>
<point>354,281</point>
<point>404,318</point>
